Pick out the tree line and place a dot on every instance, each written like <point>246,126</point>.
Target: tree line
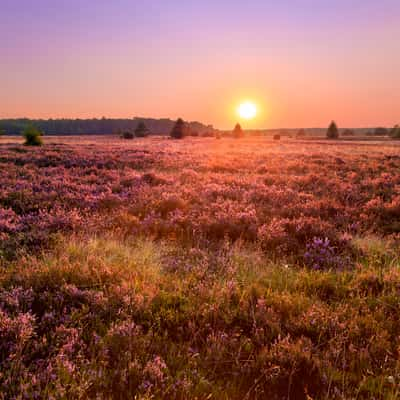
<point>103,126</point>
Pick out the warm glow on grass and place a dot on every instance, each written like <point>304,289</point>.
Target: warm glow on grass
<point>247,110</point>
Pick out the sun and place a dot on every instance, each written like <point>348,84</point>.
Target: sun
<point>247,110</point>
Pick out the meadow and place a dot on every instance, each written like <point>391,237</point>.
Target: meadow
<point>199,269</point>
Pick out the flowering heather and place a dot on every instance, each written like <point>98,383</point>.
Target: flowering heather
<point>200,268</point>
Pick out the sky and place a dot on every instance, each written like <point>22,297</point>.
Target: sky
<point>302,62</point>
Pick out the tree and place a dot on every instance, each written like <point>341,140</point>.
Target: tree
<point>395,132</point>
<point>33,136</point>
<point>238,132</point>
<point>178,131</point>
<point>333,131</point>
<point>141,130</point>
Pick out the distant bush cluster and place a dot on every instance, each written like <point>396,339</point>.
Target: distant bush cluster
<point>139,132</point>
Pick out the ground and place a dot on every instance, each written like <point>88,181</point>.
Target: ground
<point>201,268</point>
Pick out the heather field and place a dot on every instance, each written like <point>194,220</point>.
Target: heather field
<point>199,269</point>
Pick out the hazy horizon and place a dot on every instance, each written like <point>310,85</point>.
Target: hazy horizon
<point>302,63</point>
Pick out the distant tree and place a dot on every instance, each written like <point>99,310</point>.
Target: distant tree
<point>178,131</point>
<point>333,131</point>
<point>381,132</point>
<point>33,136</point>
<point>141,130</point>
<point>395,132</point>
<point>128,135</point>
<point>348,132</point>
<point>238,132</point>
<point>277,137</point>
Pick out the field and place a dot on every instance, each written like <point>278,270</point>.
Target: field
<point>201,268</point>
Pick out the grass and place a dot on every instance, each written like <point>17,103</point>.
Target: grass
<point>150,318</point>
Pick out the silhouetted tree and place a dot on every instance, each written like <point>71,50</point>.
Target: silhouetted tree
<point>178,131</point>
<point>237,131</point>
<point>333,131</point>
<point>395,132</point>
<point>141,130</point>
<point>33,136</point>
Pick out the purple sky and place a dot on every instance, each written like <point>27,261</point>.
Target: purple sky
<point>303,62</point>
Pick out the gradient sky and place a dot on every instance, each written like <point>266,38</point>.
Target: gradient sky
<point>304,62</point>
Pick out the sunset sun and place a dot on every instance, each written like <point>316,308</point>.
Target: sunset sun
<point>247,110</point>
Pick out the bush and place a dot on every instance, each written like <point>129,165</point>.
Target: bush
<point>32,136</point>
<point>321,255</point>
<point>178,131</point>
<point>333,132</point>
<point>128,135</point>
<point>277,137</point>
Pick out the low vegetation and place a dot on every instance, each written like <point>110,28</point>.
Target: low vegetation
<point>33,137</point>
<point>200,269</point>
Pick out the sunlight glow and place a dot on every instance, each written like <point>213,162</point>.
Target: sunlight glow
<point>247,110</point>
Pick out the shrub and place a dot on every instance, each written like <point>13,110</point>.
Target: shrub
<point>277,137</point>
<point>321,255</point>
<point>333,132</point>
<point>178,131</point>
<point>128,135</point>
<point>32,136</point>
